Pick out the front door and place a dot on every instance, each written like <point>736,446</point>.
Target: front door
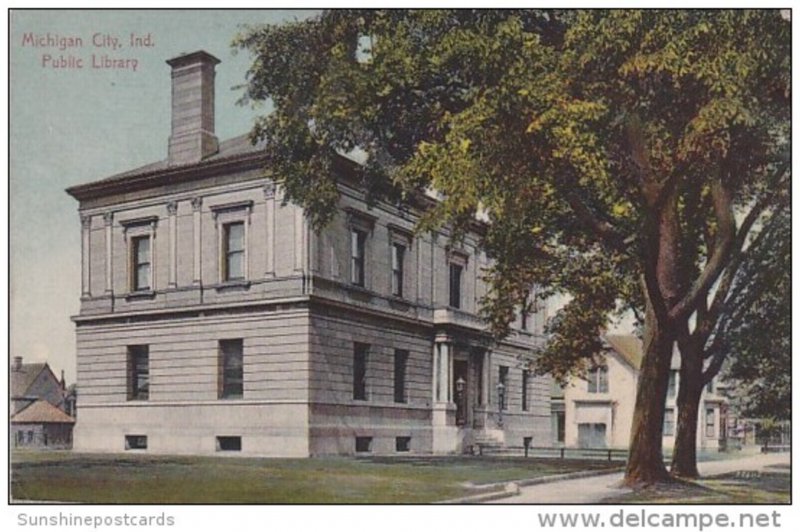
<point>461,390</point>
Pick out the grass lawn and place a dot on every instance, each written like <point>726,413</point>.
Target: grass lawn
<point>68,477</point>
<point>771,487</point>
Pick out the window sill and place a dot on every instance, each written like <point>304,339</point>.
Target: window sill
<point>140,294</point>
<point>239,284</point>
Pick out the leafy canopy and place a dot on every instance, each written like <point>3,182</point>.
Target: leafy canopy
<point>572,131</point>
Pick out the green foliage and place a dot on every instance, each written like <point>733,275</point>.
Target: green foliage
<point>574,132</point>
<point>757,328</point>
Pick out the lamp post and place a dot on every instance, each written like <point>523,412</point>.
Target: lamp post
<point>501,396</point>
<point>460,407</point>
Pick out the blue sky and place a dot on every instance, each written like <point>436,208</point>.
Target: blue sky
<point>71,126</point>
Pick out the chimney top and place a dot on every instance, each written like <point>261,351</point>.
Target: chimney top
<point>17,364</point>
<point>200,56</point>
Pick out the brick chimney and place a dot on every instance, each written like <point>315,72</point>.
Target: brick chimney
<point>17,365</point>
<point>192,137</point>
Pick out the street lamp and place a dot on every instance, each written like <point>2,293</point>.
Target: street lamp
<point>501,397</point>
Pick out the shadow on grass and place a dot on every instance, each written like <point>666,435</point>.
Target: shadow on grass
<point>741,487</point>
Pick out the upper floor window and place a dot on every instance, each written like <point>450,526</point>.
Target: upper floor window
<point>710,387</point>
<point>358,243</point>
<point>140,236</point>
<point>138,373</point>
<point>231,369</point>
<point>232,221</point>
<point>141,267</point>
<point>398,267</point>
<point>233,251</point>
<point>598,379</point>
<point>456,271</point>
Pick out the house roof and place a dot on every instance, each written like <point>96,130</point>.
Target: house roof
<point>41,412</point>
<point>23,378</point>
<point>628,347</point>
<point>240,145</point>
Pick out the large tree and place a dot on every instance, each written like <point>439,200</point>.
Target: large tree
<point>609,150</point>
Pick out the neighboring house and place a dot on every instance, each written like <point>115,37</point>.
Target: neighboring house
<point>213,318</point>
<point>37,407</point>
<point>598,410</point>
<point>41,424</point>
<point>31,382</point>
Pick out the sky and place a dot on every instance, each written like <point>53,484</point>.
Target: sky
<point>70,126</point>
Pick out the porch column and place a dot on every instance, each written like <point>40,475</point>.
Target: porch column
<point>486,376</point>
<point>445,372</point>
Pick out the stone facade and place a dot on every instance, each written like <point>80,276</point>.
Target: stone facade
<point>349,338</point>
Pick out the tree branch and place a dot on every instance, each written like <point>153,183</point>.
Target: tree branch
<point>604,230</point>
<point>722,201</point>
<point>739,254</point>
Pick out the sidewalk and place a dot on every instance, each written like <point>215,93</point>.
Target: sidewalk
<point>595,489</point>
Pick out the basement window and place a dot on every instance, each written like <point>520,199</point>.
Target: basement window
<point>363,444</point>
<point>135,442</point>
<point>229,443</point>
<point>402,444</point>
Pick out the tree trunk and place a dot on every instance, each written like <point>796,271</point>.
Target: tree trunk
<point>684,455</point>
<point>646,459</point>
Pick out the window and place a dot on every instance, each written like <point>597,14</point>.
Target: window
<point>358,242</point>
<point>673,383</point>
<point>400,364</point>
<point>135,442</point>
<point>141,263</point>
<point>363,444</point>
<point>455,284</point>
<point>231,369</point>
<point>138,373</point>
<point>229,443</point>
<point>360,354</point>
<point>30,436</point>
<point>398,259</point>
<point>561,426</point>
<point>402,444</point>
<point>524,318</point>
<point>233,251</point>
<point>525,379</point>
<point>710,423</point>
<point>710,387</point>
<point>669,422</point>
<point>503,379</point>
<point>598,379</point>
